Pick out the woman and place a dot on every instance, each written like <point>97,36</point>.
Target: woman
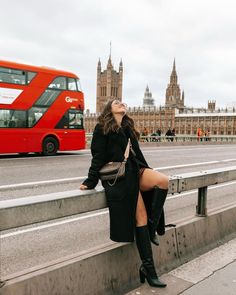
<point>136,201</point>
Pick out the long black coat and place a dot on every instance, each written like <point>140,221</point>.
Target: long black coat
<point>122,197</point>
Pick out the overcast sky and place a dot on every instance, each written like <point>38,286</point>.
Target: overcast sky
<point>146,34</point>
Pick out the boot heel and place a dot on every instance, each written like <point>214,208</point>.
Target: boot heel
<point>142,277</point>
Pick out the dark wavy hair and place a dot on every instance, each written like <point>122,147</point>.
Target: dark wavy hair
<point>108,122</point>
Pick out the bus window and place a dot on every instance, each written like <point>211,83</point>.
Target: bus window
<point>30,76</point>
<point>75,119</point>
<point>72,84</point>
<point>47,98</point>
<point>72,119</point>
<point>63,123</point>
<point>34,114</point>
<point>58,83</point>
<point>12,119</point>
<point>4,118</point>
<point>12,76</point>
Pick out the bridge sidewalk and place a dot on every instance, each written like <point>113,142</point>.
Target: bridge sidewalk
<point>211,273</point>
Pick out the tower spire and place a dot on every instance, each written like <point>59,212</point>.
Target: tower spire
<point>99,64</point>
<point>174,69</point>
<point>121,66</point>
<point>109,64</point>
<point>173,76</point>
<point>110,50</point>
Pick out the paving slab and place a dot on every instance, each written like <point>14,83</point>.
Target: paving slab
<point>174,285</point>
<point>211,273</point>
<point>222,282</point>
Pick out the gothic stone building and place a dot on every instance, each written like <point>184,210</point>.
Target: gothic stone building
<point>217,121</point>
<point>109,84</point>
<point>174,114</point>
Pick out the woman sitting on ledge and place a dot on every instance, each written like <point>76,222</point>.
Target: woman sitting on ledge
<point>135,201</point>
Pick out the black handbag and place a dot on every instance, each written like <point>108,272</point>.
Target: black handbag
<point>114,170</point>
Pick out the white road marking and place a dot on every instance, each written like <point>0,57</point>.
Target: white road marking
<point>61,180</point>
<point>179,149</point>
<point>144,149</point>
<point>104,212</point>
<point>34,157</point>
<point>187,165</point>
<point>15,233</point>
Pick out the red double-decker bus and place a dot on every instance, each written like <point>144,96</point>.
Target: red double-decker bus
<point>41,110</point>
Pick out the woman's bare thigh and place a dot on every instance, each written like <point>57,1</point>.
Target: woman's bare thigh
<point>151,178</point>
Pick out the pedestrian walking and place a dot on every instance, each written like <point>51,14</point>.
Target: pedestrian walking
<point>158,132</point>
<point>199,134</point>
<point>136,200</point>
<point>169,135</point>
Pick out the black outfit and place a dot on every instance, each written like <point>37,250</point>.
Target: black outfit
<point>122,197</point>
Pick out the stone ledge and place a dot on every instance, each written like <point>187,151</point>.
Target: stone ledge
<point>114,270</point>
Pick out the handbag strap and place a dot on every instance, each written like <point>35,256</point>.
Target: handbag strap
<point>126,154</point>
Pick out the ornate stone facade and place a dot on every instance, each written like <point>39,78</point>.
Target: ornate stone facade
<point>174,114</point>
<point>215,122</point>
<point>109,84</point>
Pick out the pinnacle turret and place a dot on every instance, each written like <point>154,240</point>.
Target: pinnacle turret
<point>121,66</point>
<point>174,65</point>
<point>173,77</point>
<point>99,67</point>
<point>109,63</point>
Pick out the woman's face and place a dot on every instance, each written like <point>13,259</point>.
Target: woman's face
<point>118,107</point>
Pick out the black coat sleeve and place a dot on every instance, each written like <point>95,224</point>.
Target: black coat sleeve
<point>98,150</point>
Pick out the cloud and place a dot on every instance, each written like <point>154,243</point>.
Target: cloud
<point>147,34</point>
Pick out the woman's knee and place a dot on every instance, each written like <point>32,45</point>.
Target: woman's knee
<point>163,182</point>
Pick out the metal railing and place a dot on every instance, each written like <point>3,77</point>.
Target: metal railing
<point>188,138</point>
<point>29,210</point>
<point>180,138</point>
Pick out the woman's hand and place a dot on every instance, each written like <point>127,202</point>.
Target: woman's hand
<point>83,187</point>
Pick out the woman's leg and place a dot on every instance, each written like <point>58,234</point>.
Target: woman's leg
<point>147,269</point>
<point>151,179</point>
<point>141,213</point>
<point>158,183</point>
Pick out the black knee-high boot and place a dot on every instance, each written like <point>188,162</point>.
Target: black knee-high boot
<point>158,200</point>
<point>147,269</point>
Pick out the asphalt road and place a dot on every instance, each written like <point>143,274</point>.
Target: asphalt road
<point>46,243</point>
<point>33,175</point>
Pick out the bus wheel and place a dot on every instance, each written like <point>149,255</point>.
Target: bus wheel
<point>50,146</point>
